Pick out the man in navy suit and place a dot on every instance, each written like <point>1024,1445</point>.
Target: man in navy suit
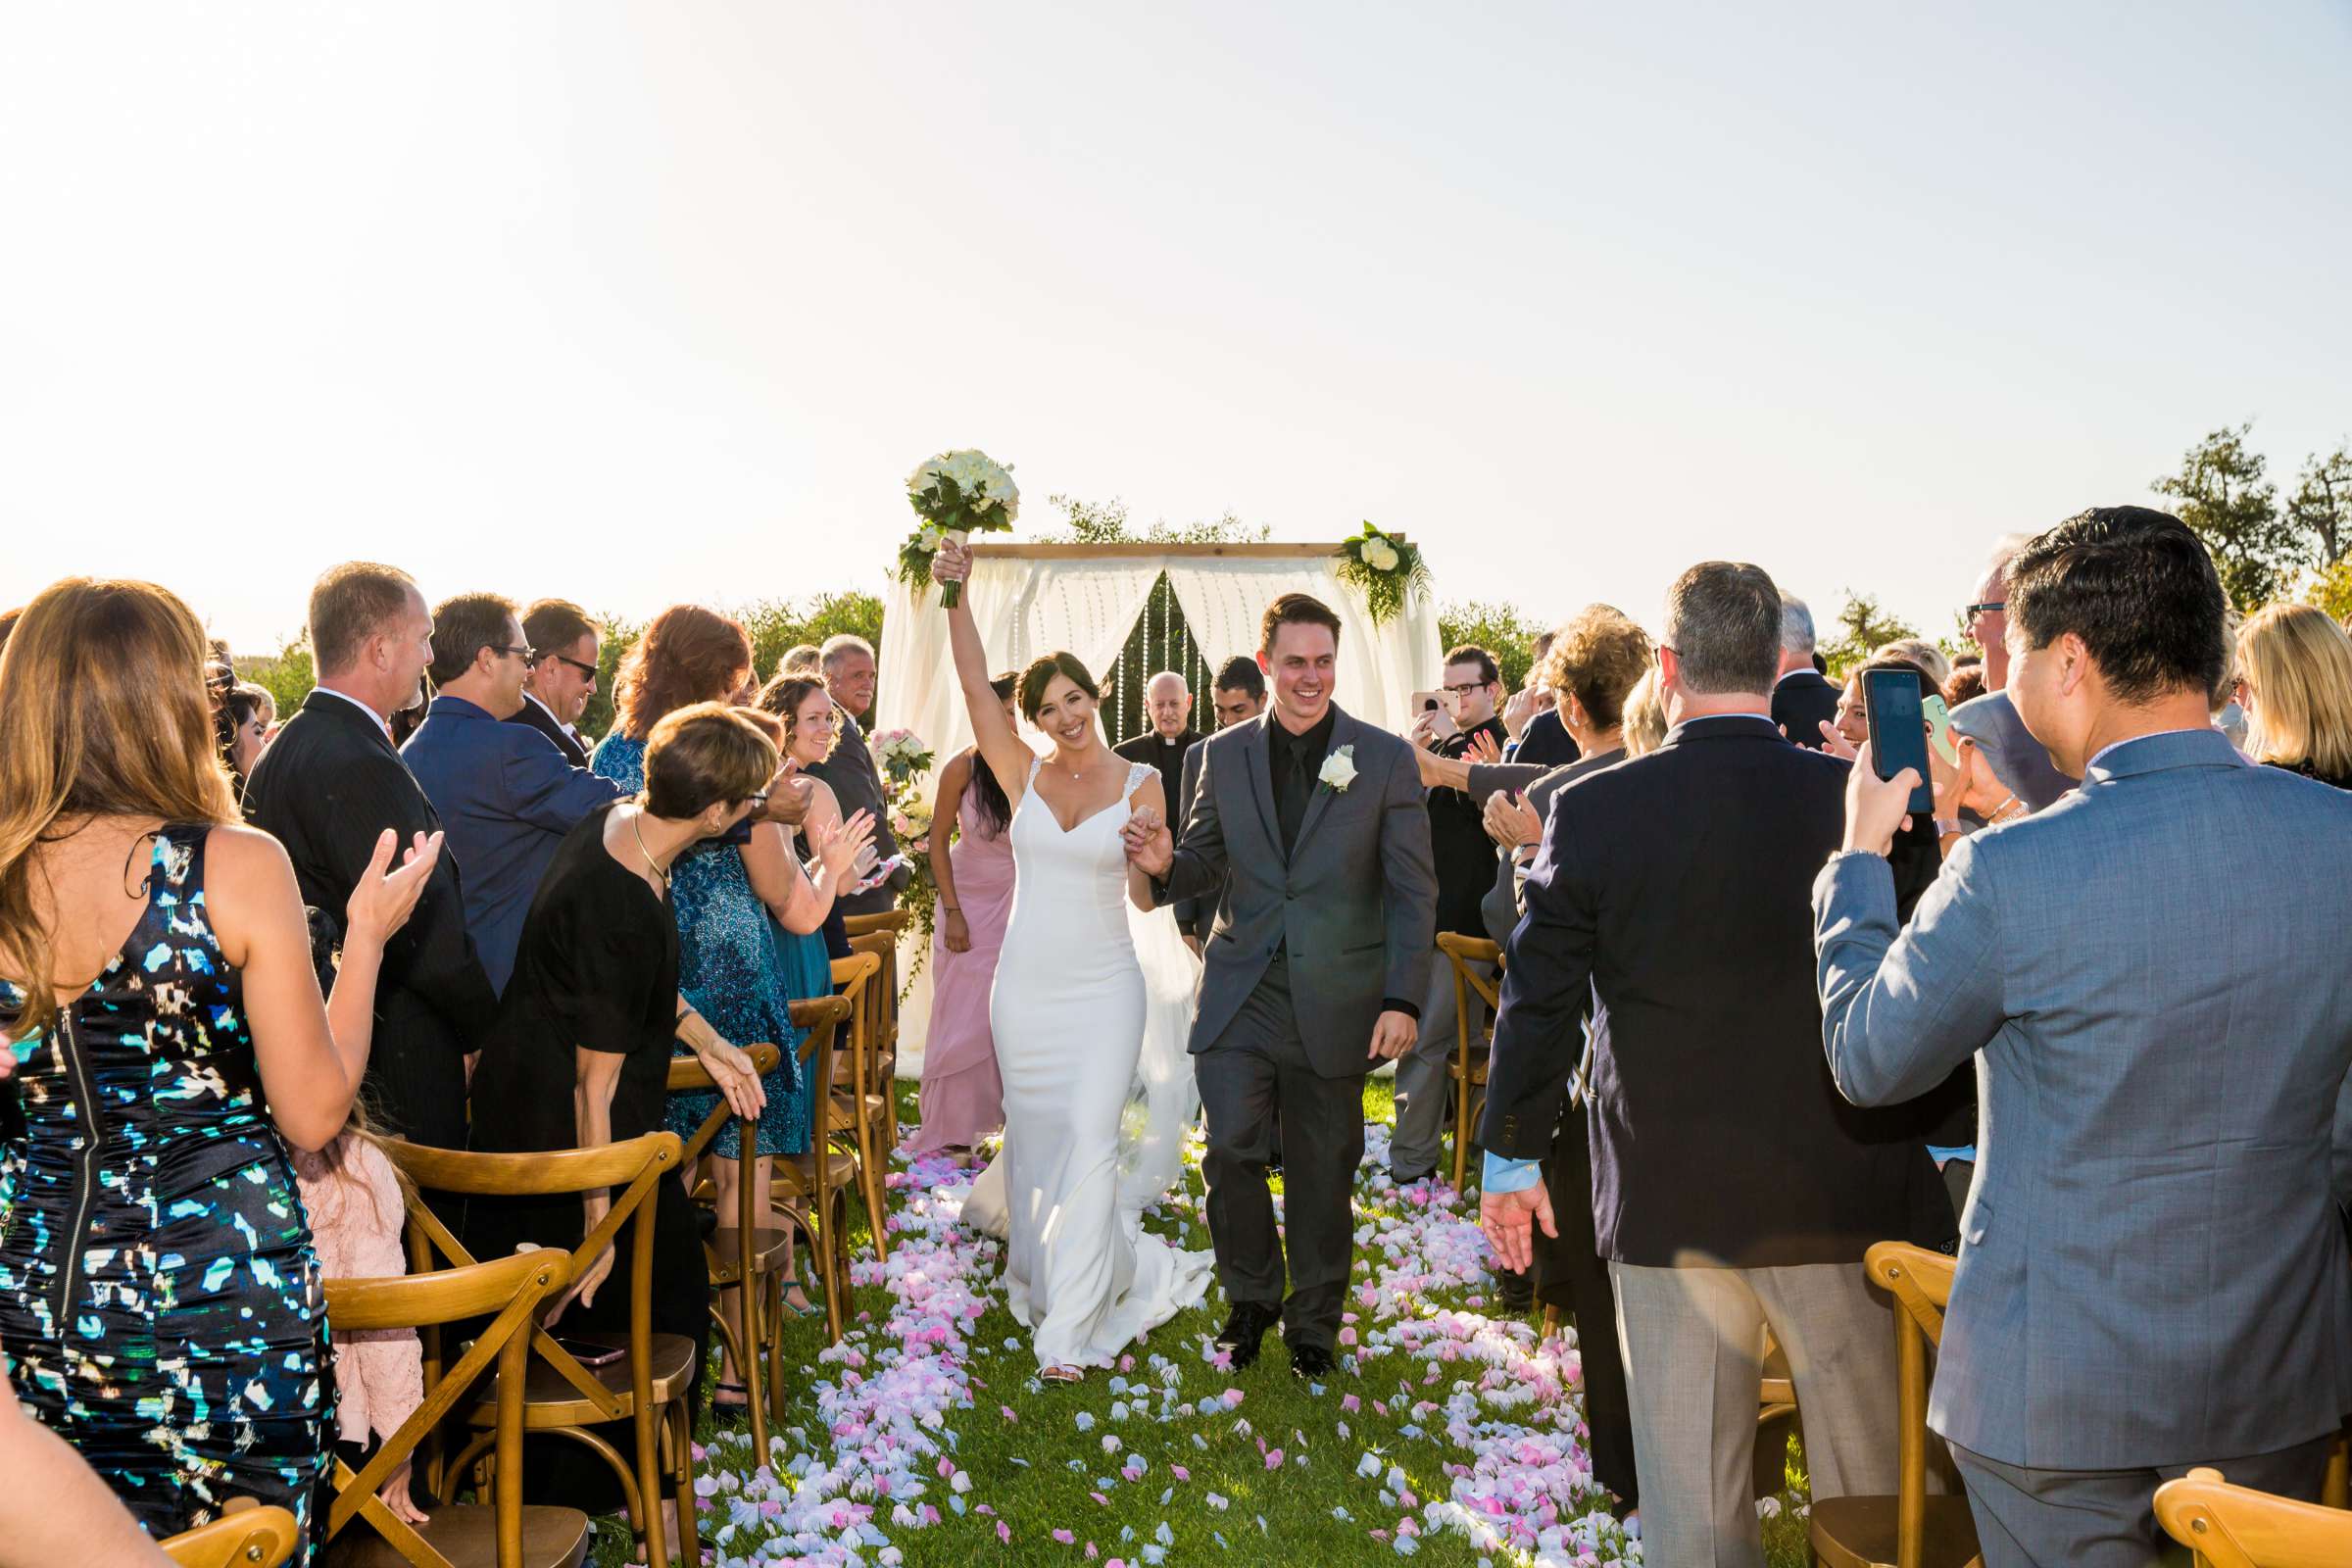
<point>2150,977</point>
<point>505,795</point>
<point>564,644</point>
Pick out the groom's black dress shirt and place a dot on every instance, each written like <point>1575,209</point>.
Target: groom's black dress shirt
<point>1296,763</point>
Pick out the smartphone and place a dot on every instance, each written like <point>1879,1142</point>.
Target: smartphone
<point>1898,731</point>
<point>589,1354</point>
<point>1939,729</point>
<point>1426,703</point>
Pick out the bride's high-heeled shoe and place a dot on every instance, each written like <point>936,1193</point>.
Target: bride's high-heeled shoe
<point>1063,1374</point>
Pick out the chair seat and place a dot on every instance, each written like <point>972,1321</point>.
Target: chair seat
<point>549,1398</point>
<point>1478,1067</point>
<point>725,1251</point>
<point>845,1109</point>
<point>792,1177</point>
<point>466,1533</point>
<point>1859,1533</point>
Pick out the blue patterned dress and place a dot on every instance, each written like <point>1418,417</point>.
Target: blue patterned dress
<point>741,970</point>
<point>160,1304</point>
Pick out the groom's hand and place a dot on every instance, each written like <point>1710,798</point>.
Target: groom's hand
<point>1392,1035</point>
<point>1150,844</point>
<point>1506,1218</point>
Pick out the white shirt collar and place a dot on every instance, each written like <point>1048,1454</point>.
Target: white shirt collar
<point>1801,669</point>
<point>532,698</point>
<point>380,721</point>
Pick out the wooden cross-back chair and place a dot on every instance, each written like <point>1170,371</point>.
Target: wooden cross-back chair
<point>246,1536</point>
<point>652,1385</point>
<point>1468,1069</point>
<point>818,1180</point>
<point>2238,1527</point>
<point>750,1258</point>
<point>880,935</point>
<point>360,1531</point>
<point>1909,1530</point>
<point>862,1104</point>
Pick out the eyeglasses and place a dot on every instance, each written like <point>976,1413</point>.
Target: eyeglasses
<point>1980,610</point>
<point>507,648</point>
<point>1474,686</point>
<point>588,671</point>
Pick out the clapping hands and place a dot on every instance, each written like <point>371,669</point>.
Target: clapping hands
<point>844,843</point>
<point>384,900</point>
<point>1510,821</point>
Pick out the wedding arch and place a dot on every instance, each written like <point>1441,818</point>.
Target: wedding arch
<point>1033,598</point>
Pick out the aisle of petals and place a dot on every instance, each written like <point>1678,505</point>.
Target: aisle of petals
<point>868,1471</point>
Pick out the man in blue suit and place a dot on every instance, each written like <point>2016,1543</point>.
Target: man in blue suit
<point>2150,974</point>
<point>505,795</point>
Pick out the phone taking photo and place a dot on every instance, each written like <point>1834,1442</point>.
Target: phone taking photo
<point>1898,731</point>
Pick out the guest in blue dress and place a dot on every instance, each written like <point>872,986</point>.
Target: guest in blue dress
<point>736,904</point>
<point>160,1303</point>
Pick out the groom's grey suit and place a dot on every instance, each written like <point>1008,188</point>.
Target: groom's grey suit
<point>1306,947</point>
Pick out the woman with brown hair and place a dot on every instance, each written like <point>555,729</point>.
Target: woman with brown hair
<point>160,1299</point>
<point>731,968</point>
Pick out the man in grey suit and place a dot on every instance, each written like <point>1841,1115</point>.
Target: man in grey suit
<point>1312,822</point>
<point>2150,974</point>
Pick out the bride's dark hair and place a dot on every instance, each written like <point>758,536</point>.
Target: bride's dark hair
<point>1040,675</point>
<point>989,801</point>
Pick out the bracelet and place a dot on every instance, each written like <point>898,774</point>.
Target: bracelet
<point>1997,811</point>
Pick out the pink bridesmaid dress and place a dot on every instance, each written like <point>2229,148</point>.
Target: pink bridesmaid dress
<point>962,1097</point>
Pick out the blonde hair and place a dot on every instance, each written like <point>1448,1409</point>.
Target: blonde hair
<point>1931,659</point>
<point>103,713</point>
<point>1644,716</point>
<point>2298,664</point>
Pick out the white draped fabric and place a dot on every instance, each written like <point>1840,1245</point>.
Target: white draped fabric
<point>1026,607</point>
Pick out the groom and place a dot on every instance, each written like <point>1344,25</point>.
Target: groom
<point>1309,830</point>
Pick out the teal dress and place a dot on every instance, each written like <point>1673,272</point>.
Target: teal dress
<point>741,970</point>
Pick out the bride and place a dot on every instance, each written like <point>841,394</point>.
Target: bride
<point>1093,994</point>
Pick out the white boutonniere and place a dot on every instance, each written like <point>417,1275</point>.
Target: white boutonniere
<point>1338,770</point>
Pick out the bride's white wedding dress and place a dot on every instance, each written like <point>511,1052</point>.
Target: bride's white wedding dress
<point>1092,1003</point>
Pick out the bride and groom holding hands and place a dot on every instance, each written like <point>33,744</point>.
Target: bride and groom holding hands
<point>1310,837</point>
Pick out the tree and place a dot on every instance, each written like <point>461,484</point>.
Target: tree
<point>774,626</point>
<point>2221,493</point>
<point>1106,523</point>
<point>1863,628</point>
<point>2321,507</point>
<point>286,674</point>
<point>2333,591</point>
<point>1503,629</point>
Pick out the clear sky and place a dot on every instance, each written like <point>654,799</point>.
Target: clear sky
<point>634,304</point>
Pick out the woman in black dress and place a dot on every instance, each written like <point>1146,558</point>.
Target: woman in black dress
<point>580,1054</point>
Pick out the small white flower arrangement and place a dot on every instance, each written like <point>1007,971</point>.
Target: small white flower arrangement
<point>902,755</point>
<point>1385,568</point>
<point>1338,770</point>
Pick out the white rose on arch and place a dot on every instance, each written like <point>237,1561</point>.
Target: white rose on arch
<point>1338,770</point>
<point>1380,555</point>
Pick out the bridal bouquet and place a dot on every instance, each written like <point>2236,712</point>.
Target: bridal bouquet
<point>955,494</point>
<point>1385,569</point>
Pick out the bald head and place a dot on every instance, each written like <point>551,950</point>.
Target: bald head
<point>1170,703</point>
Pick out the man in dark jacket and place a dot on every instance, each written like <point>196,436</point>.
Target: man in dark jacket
<point>1802,699</point>
<point>326,788</point>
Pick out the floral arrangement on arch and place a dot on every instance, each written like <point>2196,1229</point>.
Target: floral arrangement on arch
<point>955,494</point>
<point>1385,568</point>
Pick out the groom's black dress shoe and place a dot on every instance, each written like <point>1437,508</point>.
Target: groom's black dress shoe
<point>1245,1330</point>
<point>1311,1361</point>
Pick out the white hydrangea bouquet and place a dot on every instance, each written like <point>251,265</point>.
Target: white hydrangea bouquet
<point>902,756</point>
<point>1385,569</point>
<point>955,494</point>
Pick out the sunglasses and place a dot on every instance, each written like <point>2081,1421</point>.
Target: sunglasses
<point>1979,609</point>
<point>756,801</point>
<point>505,649</point>
<point>588,671</point>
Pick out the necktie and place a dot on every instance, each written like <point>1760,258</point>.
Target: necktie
<point>1290,803</point>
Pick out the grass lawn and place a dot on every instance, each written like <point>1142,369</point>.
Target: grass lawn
<point>925,1437</point>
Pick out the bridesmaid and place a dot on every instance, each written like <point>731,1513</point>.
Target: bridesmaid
<point>962,1097</point>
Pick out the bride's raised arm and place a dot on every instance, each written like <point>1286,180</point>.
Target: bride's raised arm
<point>1000,746</point>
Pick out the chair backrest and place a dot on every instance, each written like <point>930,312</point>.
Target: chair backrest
<point>892,922</point>
<point>884,946</point>
<point>859,977</point>
<point>248,1538</point>
<point>630,1168</point>
<point>821,1018</point>
<point>688,1074</point>
<point>1465,952</point>
<point>509,1292</point>
<point>1920,1282</point>
<point>2238,1527</point>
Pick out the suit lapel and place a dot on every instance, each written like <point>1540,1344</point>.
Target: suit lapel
<point>1259,763</point>
<point>1343,733</point>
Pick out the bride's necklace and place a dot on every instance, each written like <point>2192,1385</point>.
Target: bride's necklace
<point>638,834</point>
